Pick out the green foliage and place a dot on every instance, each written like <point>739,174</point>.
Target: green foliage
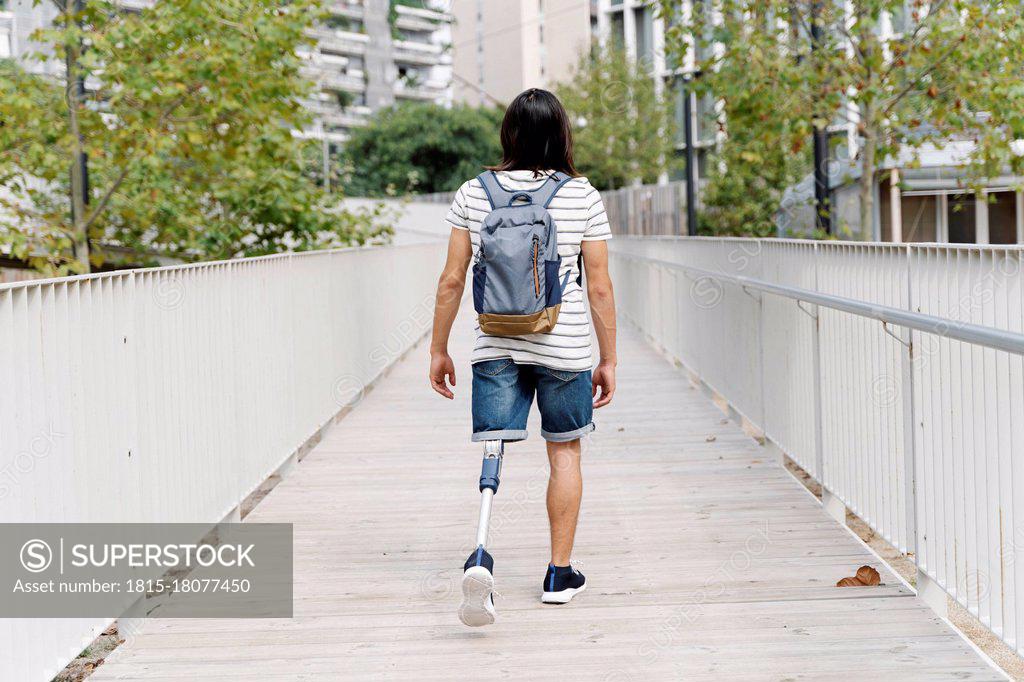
<point>32,207</point>
<point>622,126</point>
<point>420,148</point>
<point>926,85</point>
<point>188,133</point>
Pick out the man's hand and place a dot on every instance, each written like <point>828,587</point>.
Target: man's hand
<point>603,379</point>
<point>441,366</point>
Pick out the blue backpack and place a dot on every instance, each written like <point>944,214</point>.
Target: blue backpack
<point>515,277</point>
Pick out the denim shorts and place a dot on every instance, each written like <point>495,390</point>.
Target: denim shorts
<point>503,393</point>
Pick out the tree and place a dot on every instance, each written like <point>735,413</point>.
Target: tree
<point>622,127</point>
<point>929,83</point>
<point>187,129</point>
<point>764,103</point>
<point>420,148</point>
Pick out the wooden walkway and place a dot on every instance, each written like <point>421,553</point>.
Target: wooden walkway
<point>705,560</point>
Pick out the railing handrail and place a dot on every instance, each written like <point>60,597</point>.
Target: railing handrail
<point>981,335</point>
<point>840,243</point>
<point>5,286</point>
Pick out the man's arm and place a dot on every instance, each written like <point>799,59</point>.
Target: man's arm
<point>602,309</point>
<point>446,307</point>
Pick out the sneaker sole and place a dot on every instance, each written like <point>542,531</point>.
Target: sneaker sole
<point>477,586</point>
<point>563,597</point>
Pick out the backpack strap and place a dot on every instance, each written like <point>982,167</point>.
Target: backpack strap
<point>496,194</point>
<point>501,197</point>
<point>546,192</point>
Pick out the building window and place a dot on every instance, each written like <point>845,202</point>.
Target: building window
<point>920,219</point>
<point>1002,218</point>
<point>705,117</point>
<point>644,24</point>
<point>678,110</point>
<point>961,219</point>
<point>706,120</point>
<point>618,30</point>
<point>704,48</point>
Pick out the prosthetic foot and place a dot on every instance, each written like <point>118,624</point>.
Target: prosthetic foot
<point>478,578</point>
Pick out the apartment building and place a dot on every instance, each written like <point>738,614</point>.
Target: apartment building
<point>368,54</point>
<point>502,47</point>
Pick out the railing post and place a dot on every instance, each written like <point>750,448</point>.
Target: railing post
<point>927,589</point>
<point>932,594</point>
<point>833,506</point>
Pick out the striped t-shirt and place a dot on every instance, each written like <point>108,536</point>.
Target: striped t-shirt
<point>579,215</point>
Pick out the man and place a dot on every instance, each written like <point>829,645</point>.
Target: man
<point>555,366</point>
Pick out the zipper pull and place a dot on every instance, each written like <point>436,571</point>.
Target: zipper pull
<point>536,265</point>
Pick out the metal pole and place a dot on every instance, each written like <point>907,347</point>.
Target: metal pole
<point>823,209</point>
<point>326,152</point>
<point>484,521</point>
<point>691,171</point>
<point>83,160</point>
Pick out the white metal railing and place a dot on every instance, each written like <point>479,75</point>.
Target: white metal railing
<point>170,394</point>
<point>892,374</point>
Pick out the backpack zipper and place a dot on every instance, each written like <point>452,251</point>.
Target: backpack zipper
<point>536,274</point>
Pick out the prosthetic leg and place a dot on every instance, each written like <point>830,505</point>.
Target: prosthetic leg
<point>478,578</point>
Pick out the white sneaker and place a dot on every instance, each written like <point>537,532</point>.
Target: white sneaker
<point>477,597</point>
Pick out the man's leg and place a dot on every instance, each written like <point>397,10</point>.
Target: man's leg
<point>566,411</point>
<point>565,489</point>
<point>501,404</point>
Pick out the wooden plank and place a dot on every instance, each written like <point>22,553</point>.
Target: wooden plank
<point>706,560</point>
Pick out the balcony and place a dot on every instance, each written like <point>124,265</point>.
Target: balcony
<point>412,22</point>
<point>410,52</point>
<point>340,41</point>
<point>331,114</point>
<point>429,91</point>
<point>329,77</point>
<point>347,9</point>
<point>429,15</point>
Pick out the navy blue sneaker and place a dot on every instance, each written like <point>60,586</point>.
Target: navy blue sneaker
<point>561,584</point>
<point>477,589</point>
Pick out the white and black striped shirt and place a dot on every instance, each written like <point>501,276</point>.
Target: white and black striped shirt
<point>579,216</point>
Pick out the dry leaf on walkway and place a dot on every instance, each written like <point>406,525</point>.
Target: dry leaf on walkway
<point>866,577</point>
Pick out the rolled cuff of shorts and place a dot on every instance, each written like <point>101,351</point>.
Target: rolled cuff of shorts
<point>508,435</point>
<point>568,435</point>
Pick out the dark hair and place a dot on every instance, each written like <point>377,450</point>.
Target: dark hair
<point>536,135</point>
